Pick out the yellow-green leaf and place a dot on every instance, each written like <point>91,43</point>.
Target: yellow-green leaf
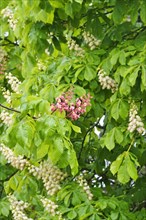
<point>131,169</point>
<point>116,164</point>
<point>123,175</point>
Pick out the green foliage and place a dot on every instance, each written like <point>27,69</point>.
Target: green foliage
<point>35,47</point>
<point>4,208</point>
<point>125,166</point>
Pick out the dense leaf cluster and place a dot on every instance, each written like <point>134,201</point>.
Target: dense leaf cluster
<point>91,47</point>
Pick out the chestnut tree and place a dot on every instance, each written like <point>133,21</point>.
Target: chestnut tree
<point>73,109</point>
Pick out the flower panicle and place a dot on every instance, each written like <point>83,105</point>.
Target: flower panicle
<point>18,208</point>
<point>83,183</point>
<point>106,81</point>
<point>135,121</point>
<point>51,207</point>
<point>73,109</point>
<point>18,162</point>
<point>50,175</point>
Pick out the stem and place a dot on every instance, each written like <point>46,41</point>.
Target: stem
<point>96,124</point>
<point>131,144</point>
<point>9,41</point>
<point>10,109</point>
<point>14,110</point>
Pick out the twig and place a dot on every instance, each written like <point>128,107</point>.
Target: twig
<point>9,41</point>
<point>10,109</point>
<point>134,32</point>
<point>131,144</point>
<point>14,110</point>
<point>96,124</point>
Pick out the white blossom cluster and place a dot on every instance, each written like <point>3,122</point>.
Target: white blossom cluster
<point>47,51</point>
<point>41,65</point>
<point>91,41</point>
<point>16,161</point>
<point>50,175</point>
<point>7,12</point>
<point>72,45</point>
<point>83,183</point>
<point>6,118</point>
<point>127,18</point>
<point>13,81</point>
<point>106,82</point>
<point>135,122</point>
<point>18,208</point>
<point>51,207</point>
<point>50,37</point>
<point>7,95</point>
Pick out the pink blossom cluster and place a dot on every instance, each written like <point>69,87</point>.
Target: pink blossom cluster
<point>73,109</point>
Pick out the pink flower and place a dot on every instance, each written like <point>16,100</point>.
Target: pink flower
<point>53,107</point>
<point>73,110</point>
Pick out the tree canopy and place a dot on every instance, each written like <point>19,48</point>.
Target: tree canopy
<point>73,109</point>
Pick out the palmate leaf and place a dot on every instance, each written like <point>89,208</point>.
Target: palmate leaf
<point>74,127</point>
<point>131,169</point>
<point>90,73</point>
<point>119,108</point>
<point>4,208</point>
<point>45,17</point>
<point>113,136</point>
<point>69,9</point>
<point>143,76</point>
<point>115,54</point>
<point>72,160</point>
<point>87,215</point>
<point>125,87</point>
<point>134,6</point>
<point>42,151</point>
<point>119,11</point>
<point>24,132</point>
<point>125,167</point>
<point>56,3</point>
<point>142,12</point>
<point>133,76</point>
<point>6,171</point>
<point>123,175</point>
<point>114,215</point>
<point>118,135</point>
<point>115,110</point>
<point>13,182</point>
<point>122,58</point>
<point>117,163</point>
<point>56,149</point>
<point>109,140</point>
<point>72,214</point>
<point>80,91</point>
<point>76,198</point>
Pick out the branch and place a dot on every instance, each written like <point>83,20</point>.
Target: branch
<point>139,206</point>
<point>10,109</point>
<point>14,110</point>
<point>9,41</point>
<point>4,44</point>
<point>96,124</point>
<point>134,32</point>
